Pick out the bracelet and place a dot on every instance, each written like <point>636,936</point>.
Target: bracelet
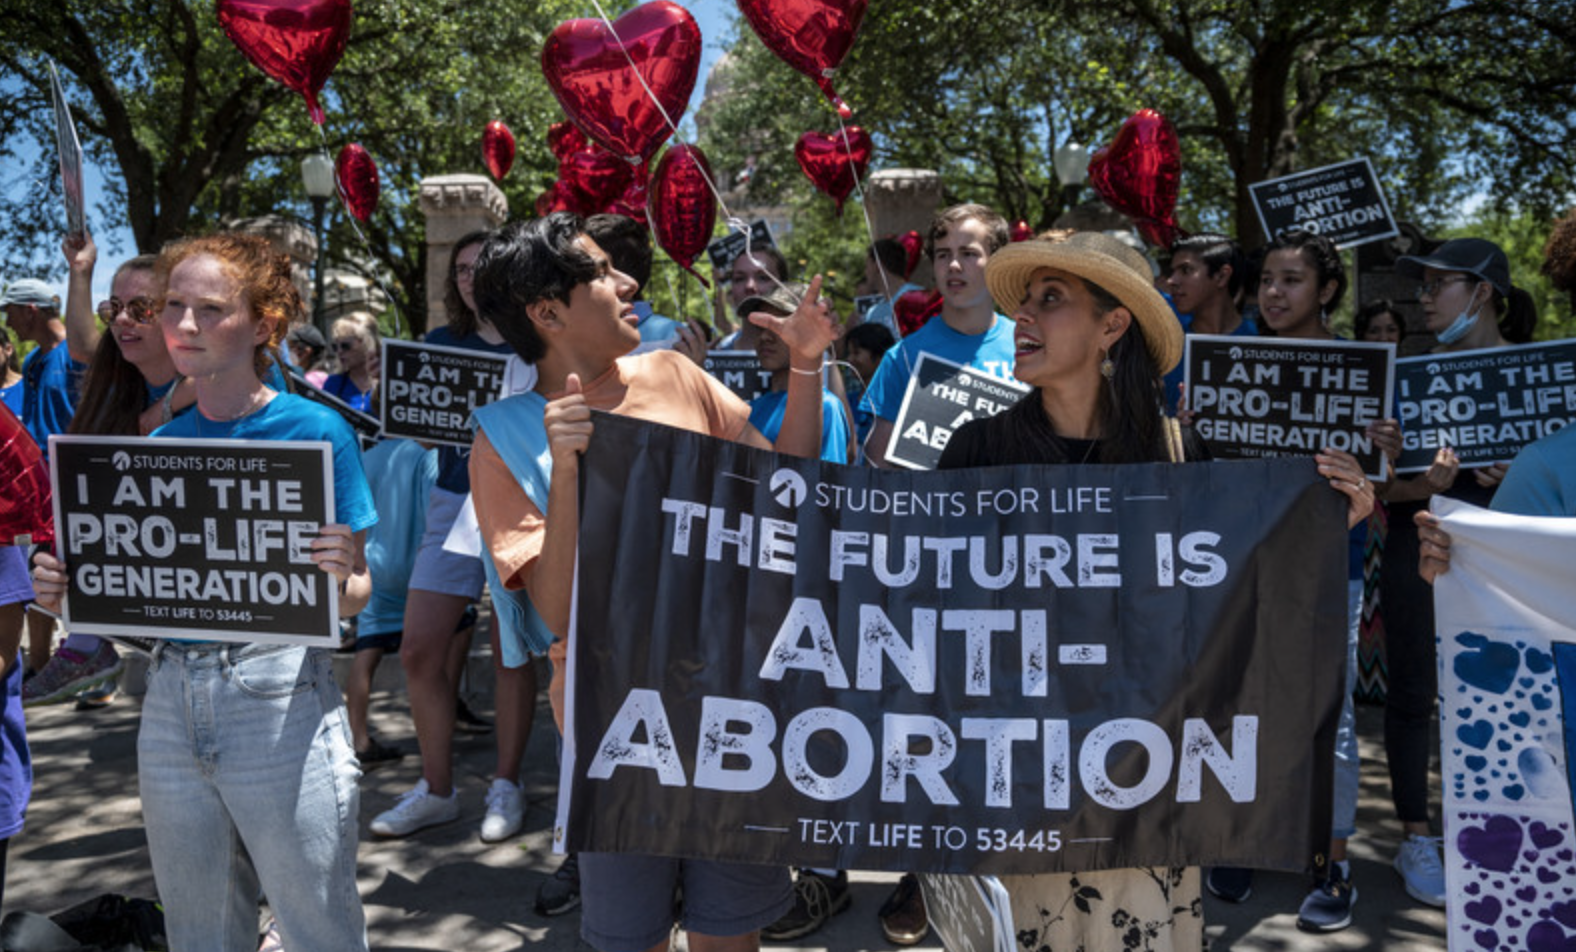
<point>809,373</point>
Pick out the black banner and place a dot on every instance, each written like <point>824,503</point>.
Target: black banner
<point>1342,202</point>
<point>739,371</point>
<point>1280,397</point>
<point>723,250</point>
<point>1021,669</point>
<point>202,539</point>
<point>1485,404</point>
<point>428,391</point>
<point>941,397</point>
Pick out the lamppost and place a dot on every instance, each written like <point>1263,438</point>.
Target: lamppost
<point>1071,161</point>
<point>317,175</point>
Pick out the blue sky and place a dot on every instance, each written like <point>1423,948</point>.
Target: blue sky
<point>715,18</point>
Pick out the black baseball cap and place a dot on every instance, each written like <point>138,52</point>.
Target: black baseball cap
<point>1475,256</point>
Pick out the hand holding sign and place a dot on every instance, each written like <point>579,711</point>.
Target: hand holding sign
<point>49,581</point>
<point>568,423</point>
<point>1346,476</point>
<point>808,331</point>
<point>334,551</point>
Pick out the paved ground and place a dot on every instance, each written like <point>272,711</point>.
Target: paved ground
<point>445,889</point>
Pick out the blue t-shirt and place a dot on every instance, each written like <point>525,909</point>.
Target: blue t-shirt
<point>341,386</point>
<point>401,473</point>
<point>991,352</point>
<point>1542,478</point>
<point>1173,380</point>
<point>881,312</point>
<point>289,417</point>
<point>52,382</point>
<point>766,415</point>
<point>654,326</point>
<point>454,473</point>
<point>12,397</point>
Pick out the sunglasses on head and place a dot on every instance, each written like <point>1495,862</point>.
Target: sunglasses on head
<point>140,309</point>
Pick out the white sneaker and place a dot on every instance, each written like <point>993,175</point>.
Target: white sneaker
<point>1420,868</point>
<point>417,810</point>
<point>505,811</point>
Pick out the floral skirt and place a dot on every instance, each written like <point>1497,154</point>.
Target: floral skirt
<point>1160,909</point>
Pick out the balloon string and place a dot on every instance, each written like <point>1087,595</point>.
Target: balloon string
<point>864,209</point>
<point>388,296</point>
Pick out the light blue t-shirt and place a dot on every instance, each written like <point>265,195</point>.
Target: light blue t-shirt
<point>1542,478</point>
<point>401,473</point>
<point>1173,380</point>
<point>51,384</point>
<point>881,312</point>
<point>766,415</point>
<point>653,326</point>
<point>289,417</point>
<point>990,352</point>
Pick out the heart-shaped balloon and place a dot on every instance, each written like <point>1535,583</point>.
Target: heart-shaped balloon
<point>563,138</point>
<point>594,177</point>
<point>358,180</point>
<point>632,204</point>
<point>498,148</point>
<point>298,42</point>
<point>913,246</point>
<point>556,198</point>
<point>1138,174</point>
<point>812,36</point>
<point>913,308</point>
<point>1021,231</point>
<point>589,70</point>
<point>835,163</point>
<point>26,513</point>
<point>681,207</point>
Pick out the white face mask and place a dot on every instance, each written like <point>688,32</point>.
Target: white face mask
<point>1459,327</point>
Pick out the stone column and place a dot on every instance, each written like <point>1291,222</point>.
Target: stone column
<point>903,200</point>
<point>454,206</point>
<point>289,237</point>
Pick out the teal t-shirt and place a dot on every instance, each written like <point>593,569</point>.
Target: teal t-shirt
<point>991,352</point>
<point>766,415</point>
<point>1542,479</point>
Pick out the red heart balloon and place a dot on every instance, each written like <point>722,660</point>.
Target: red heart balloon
<point>914,308</point>
<point>1021,231</point>
<point>498,148</point>
<point>594,177</point>
<point>812,36</point>
<point>589,71</point>
<point>358,180</point>
<point>835,163</point>
<point>632,204</point>
<point>556,198</point>
<point>1137,174</point>
<point>563,138</point>
<point>913,247</point>
<point>25,502</point>
<point>681,207</point>
<point>298,42</point>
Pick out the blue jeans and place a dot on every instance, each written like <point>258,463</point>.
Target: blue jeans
<point>249,785</point>
<point>1348,766</point>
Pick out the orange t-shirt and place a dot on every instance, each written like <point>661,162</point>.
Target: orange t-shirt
<point>662,387</point>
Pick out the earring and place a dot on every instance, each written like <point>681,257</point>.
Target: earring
<point>1324,317</point>
<point>1107,366</point>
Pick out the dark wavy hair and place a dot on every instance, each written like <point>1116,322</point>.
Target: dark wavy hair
<point>1559,255</point>
<point>462,320</point>
<point>1366,314</point>
<point>1216,251</point>
<point>114,391</point>
<point>1318,251</point>
<point>525,262</point>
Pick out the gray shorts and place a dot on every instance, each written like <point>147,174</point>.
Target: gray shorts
<point>628,900</point>
<point>436,569</point>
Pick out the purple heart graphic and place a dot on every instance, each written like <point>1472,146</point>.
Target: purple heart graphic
<point>1541,703</point>
<point>1486,938</point>
<point>1472,889</point>
<point>1564,913</point>
<point>1548,937</point>
<point>1485,910</point>
<point>1492,667</point>
<point>1521,718</point>
<point>1476,762</point>
<point>1514,792</point>
<point>1527,893</point>
<point>1493,845</point>
<point>1544,836</point>
<point>1565,855</point>
<point>1546,875</point>
<point>1512,922</point>
<point>1477,734</point>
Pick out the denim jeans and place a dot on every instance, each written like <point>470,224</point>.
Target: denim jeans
<point>1348,765</point>
<point>249,785</point>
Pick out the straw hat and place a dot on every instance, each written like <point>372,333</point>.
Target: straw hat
<point>1098,259</point>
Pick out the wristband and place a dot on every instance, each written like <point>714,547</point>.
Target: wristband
<point>809,373</point>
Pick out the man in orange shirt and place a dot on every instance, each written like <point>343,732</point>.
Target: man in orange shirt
<point>557,300</point>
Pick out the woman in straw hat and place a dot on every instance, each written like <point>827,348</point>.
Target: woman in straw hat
<point>1093,339</point>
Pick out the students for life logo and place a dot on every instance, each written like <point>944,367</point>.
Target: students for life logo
<point>788,488</point>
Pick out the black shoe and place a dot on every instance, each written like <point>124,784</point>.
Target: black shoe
<point>1329,907</point>
<point>904,920</point>
<point>560,894</point>
<point>375,755</point>
<point>816,898</point>
<point>466,720</point>
<point>1230,883</point>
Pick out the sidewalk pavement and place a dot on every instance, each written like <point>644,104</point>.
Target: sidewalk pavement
<point>445,889</point>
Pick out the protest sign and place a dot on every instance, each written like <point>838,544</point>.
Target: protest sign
<point>202,539</point>
<point>1286,397</point>
<point>723,250</point>
<point>941,397</point>
<point>1343,202</point>
<point>1484,404</point>
<point>367,427</point>
<point>864,302</point>
<point>428,391</point>
<point>1507,689</point>
<point>70,157</point>
<point>1016,669</point>
<point>739,371</point>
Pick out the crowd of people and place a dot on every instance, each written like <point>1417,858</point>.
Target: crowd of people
<point>206,340</point>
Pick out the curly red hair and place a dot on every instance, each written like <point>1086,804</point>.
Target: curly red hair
<point>262,272</point>
<point>1559,255</point>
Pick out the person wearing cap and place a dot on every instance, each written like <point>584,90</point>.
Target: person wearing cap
<point>1468,303</point>
<point>307,347</point>
<point>52,374</point>
<point>766,410</point>
<point>1093,338</point>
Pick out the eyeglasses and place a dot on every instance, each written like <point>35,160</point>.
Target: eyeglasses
<point>340,346</point>
<point>1432,288</point>
<point>140,309</point>
<point>464,270</point>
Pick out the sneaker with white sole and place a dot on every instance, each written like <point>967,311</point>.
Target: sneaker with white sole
<point>68,674</point>
<point>505,811</point>
<point>417,809</point>
<point>1420,868</point>
<point>1328,908</point>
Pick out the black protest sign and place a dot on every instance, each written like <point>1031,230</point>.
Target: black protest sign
<point>723,250</point>
<point>1002,670</point>
<point>366,426</point>
<point>1484,404</point>
<point>1259,397</point>
<point>739,371</point>
<point>202,539</point>
<point>428,391</point>
<point>70,156</point>
<point>941,397</point>
<point>1342,202</point>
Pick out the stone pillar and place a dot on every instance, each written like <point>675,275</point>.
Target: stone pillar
<point>289,237</point>
<point>454,206</point>
<point>903,200</point>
